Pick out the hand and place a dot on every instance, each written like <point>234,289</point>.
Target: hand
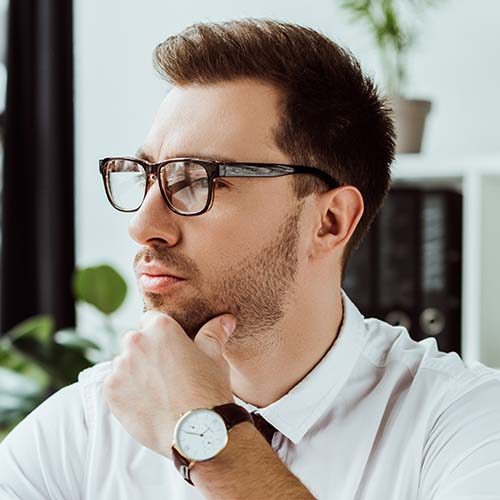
<point>160,374</point>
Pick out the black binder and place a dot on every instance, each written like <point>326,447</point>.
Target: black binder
<point>441,271</point>
<point>398,262</point>
<point>408,270</point>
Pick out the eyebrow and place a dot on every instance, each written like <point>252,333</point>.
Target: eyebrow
<point>144,155</point>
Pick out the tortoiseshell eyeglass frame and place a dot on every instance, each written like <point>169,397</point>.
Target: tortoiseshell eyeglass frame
<point>214,170</point>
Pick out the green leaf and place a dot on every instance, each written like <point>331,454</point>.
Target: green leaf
<point>37,327</point>
<point>12,404</point>
<point>18,385</point>
<point>69,338</point>
<point>34,351</point>
<point>55,365</point>
<point>102,286</point>
<point>13,407</point>
<point>70,362</point>
<point>15,361</point>
<point>28,342</point>
<point>6,428</point>
<point>19,396</point>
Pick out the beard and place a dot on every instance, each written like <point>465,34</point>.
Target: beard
<point>256,290</point>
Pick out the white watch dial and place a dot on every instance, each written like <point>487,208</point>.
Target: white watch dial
<point>200,434</point>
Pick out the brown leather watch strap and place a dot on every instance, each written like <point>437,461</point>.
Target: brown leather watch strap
<point>232,414</point>
<point>182,465</point>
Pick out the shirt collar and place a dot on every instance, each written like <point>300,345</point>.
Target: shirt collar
<point>297,411</point>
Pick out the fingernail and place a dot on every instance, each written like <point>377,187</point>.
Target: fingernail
<point>228,324</point>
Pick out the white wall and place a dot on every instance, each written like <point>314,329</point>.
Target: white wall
<point>117,92</point>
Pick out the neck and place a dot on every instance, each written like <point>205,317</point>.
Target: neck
<point>263,372</point>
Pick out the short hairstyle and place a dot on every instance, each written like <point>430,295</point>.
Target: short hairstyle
<point>332,116</point>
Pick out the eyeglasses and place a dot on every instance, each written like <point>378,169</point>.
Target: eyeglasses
<point>186,184</point>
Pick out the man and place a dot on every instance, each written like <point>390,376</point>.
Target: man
<point>265,165</point>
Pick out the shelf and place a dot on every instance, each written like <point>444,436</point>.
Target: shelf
<point>422,166</point>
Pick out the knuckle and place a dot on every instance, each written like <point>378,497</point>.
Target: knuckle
<point>117,362</point>
<point>130,339</point>
<point>161,321</point>
<point>110,384</point>
<point>158,326</point>
<point>133,337</point>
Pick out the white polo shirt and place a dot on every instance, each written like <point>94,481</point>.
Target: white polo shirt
<point>380,417</point>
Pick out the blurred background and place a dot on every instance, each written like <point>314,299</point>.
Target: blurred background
<point>77,84</point>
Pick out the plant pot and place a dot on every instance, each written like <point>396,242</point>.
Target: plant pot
<point>409,121</point>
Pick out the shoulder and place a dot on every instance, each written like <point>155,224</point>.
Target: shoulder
<point>388,345</point>
<point>461,453</point>
<point>436,378</point>
<point>52,436</point>
<point>62,410</point>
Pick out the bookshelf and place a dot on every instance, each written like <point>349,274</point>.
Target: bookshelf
<point>478,179</point>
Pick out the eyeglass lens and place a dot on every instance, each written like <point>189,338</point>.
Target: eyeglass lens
<point>184,183</point>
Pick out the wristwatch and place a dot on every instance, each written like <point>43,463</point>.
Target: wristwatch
<point>202,434</point>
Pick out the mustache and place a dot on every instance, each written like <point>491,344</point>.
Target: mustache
<point>167,257</point>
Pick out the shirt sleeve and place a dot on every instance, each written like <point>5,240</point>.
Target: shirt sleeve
<point>43,457</point>
<point>462,455</point>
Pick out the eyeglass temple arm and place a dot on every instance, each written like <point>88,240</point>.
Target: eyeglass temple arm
<point>228,170</point>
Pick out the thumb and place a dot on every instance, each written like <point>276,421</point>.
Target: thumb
<point>214,334</point>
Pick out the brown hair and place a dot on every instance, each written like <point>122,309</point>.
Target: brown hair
<point>332,115</point>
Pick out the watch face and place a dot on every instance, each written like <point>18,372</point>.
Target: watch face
<point>200,434</point>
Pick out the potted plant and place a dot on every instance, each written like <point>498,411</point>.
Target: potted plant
<point>393,25</point>
<point>36,361</point>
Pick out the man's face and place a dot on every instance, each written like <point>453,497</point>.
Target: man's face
<point>242,255</point>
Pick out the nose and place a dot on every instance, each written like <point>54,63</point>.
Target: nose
<point>154,223</point>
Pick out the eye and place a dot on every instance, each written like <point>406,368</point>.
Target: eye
<point>220,183</point>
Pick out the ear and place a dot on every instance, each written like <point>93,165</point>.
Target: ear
<point>338,214</point>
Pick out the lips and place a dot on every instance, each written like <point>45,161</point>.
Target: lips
<point>158,284</point>
<point>155,278</point>
<point>153,269</point>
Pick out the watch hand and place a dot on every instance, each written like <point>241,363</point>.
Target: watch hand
<point>203,433</point>
<point>193,433</point>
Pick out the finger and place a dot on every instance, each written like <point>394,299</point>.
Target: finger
<point>130,337</point>
<point>214,334</point>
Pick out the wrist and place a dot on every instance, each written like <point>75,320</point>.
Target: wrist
<point>201,435</point>
<point>239,437</point>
